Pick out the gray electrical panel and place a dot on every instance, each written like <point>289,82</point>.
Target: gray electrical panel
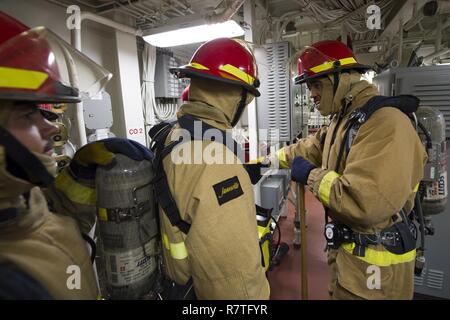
<point>98,112</point>
<point>435,279</point>
<point>274,191</point>
<point>430,84</point>
<point>275,106</point>
<point>166,85</point>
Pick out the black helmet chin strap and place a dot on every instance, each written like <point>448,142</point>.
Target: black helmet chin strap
<point>336,73</point>
<point>22,163</point>
<point>240,108</point>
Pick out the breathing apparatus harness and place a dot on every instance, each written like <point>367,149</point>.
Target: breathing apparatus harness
<point>159,134</point>
<point>401,236</point>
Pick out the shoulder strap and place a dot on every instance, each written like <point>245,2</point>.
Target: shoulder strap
<point>406,103</point>
<point>159,134</point>
<point>198,128</point>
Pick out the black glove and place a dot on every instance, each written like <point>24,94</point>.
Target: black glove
<point>300,170</point>
<point>103,152</point>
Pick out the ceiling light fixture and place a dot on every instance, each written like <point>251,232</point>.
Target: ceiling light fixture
<point>201,33</point>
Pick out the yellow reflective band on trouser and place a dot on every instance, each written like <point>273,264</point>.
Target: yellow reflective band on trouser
<point>75,191</point>
<point>21,79</point>
<point>281,155</point>
<point>325,186</point>
<point>197,66</point>
<point>382,258</point>
<point>329,65</point>
<point>102,214</point>
<point>178,250</point>
<point>238,73</point>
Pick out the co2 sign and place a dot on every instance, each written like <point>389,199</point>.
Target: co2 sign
<point>134,131</point>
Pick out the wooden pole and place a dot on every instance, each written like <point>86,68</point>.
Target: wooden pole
<point>304,252</point>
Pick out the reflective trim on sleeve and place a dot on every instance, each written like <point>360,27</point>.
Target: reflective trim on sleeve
<point>325,186</point>
<point>416,188</point>
<point>330,64</point>
<point>381,258</point>
<point>178,250</point>
<point>75,191</point>
<point>281,155</point>
<point>21,79</point>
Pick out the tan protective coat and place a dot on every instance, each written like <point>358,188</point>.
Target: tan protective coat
<point>378,177</point>
<point>223,254</point>
<point>42,244</point>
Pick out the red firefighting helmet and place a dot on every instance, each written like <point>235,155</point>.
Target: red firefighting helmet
<point>326,57</point>
<point>35,66</point>
<point>225,60</point>
<point>185,94</point>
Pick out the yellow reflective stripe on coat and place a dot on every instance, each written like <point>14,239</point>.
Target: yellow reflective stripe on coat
<point>416,188</point>
<point>197,66</point>
<point>281,155</point>
<point>21,79</point>
<point>325,186</point>
<point>328,65</point>
<point>238,73</point>
<point>75,191</point>
<point>381,258</point>
<point>178,250</point>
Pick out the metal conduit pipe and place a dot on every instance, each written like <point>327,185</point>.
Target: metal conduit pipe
<point>75,38</point>
<point>96,6</point>
<point>185,7</point>
<point>227,13</point>
<point>429,58</point>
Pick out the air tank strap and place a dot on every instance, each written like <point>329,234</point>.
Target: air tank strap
<point>123,214</point>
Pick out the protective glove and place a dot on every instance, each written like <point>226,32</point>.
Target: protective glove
<point>103,152</point>
<point>300,170</point>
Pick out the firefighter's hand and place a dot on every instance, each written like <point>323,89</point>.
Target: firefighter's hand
<point>300,170</point>
<point>103,153</point>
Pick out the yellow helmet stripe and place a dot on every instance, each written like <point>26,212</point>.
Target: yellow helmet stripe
<point>21,79</point>
<point>238,73</point>
<point>197,66</point>
<point>329,65</point>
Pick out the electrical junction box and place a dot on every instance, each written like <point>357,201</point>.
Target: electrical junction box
<point>272,194</point>
<point>98,112</point>
<point>166,85</point>
<point>278,109</point>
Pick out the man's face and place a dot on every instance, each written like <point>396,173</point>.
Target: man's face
<point>27,125</point>
<point>315,91</point>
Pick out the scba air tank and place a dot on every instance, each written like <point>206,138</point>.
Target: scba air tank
<point>128,227</point>
<point>435,173</point>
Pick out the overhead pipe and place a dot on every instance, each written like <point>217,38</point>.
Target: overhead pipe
<point>182,5</point>
<point>429,58</point>
<point>84,3</point>
<point>227,13</point>
<point>429,9</point>
<point>75,39</point>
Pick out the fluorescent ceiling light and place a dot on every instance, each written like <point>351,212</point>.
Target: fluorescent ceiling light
<point>202,33</point>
